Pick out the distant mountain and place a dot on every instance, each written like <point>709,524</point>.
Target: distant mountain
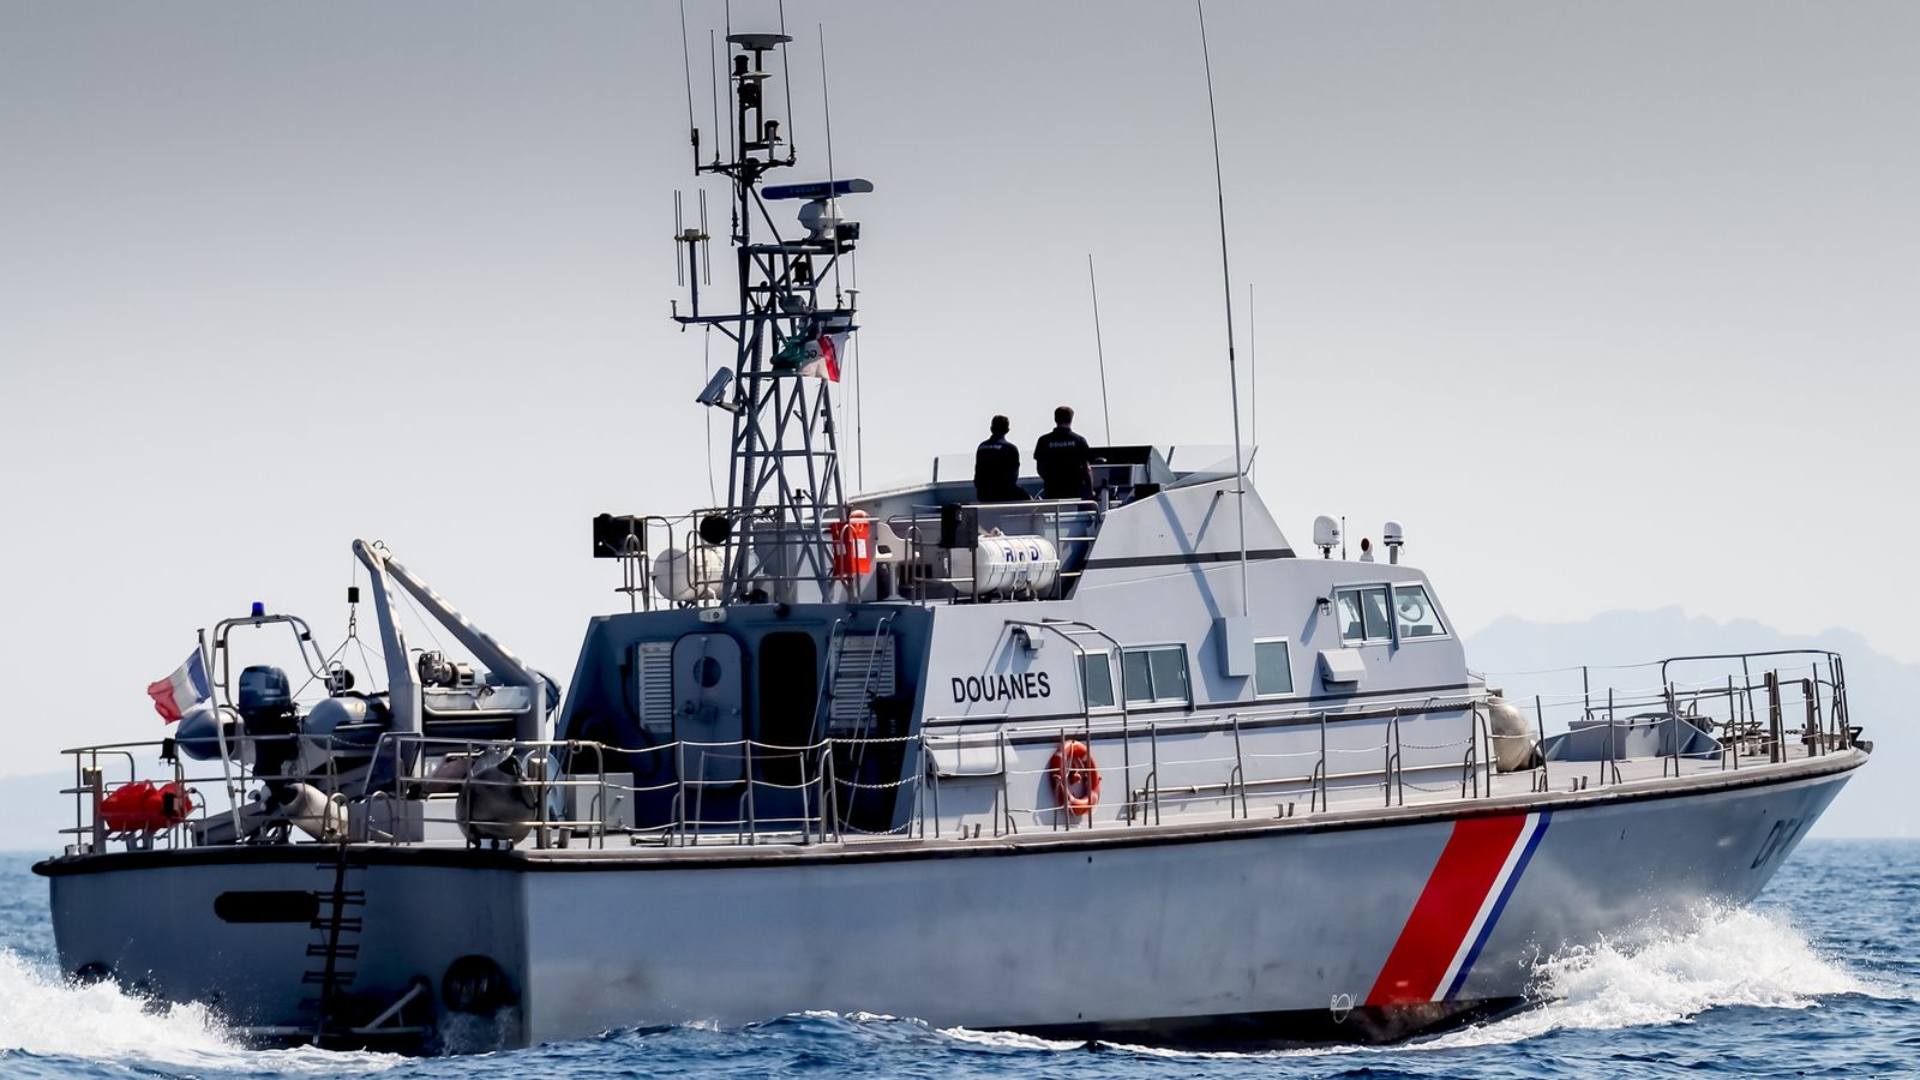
<point>1522,656</point>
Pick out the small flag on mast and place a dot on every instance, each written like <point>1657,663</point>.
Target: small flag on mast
<point>822,357</point>
<point>186,687</point>
<point>815,351</point>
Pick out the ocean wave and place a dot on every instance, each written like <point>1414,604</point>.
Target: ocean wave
<point>1733,956</point>
<point>44,1015</point>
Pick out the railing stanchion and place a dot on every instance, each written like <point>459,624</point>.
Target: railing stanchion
<point>1734,732</point>
<point>1540,747</point>
<point>1239,777</point>
<point>753,817</point>
<point>1324,767</point>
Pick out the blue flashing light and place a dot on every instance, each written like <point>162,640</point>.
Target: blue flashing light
<point>259,609</point>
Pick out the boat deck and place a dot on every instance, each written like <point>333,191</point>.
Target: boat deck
<point>1483,750</point>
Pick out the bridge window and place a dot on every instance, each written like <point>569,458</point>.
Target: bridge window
<point>1363,614</point>
<point>1157,673</point>
<point>1413,613</point>
<point>1272,668</point>
<point>1096,676</point>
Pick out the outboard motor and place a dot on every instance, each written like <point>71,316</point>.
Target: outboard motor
<point>266,707</point>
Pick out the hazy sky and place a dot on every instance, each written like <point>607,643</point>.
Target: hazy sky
<point>1612,304</point>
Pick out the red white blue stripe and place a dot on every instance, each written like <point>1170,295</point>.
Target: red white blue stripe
<point>1458,909</point>
<point>186,687</point>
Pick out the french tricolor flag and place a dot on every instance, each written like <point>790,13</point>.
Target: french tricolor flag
<point>186,687</point>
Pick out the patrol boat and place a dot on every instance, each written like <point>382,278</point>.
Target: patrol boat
<point>1129,767</point>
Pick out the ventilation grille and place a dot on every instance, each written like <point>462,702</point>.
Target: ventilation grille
<point>656,687</point>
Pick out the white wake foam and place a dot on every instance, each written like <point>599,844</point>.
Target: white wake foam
<point>1734,957</point>
<point>41,1013</point>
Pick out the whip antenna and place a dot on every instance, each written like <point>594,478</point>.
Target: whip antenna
<point>1099,351</point>
<point>686,66</point>
<point>826,109</point>
<point>1226,278</point>
<point>786,77</point>
<point>713,54</point>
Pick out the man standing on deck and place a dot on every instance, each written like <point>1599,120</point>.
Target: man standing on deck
<point>1064,460</point>
<point>996,467</point>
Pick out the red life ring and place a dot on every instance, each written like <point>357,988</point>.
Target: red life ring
<point>1073,768</point>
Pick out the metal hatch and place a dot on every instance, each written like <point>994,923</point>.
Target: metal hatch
<point>709,691</point>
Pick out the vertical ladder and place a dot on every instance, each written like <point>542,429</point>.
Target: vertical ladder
<point>339,945</point>
<point>847,690</point>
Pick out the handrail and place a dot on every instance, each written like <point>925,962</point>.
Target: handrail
<point>1696,728</point>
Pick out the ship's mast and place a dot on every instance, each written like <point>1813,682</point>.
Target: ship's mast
<point>784,492</point>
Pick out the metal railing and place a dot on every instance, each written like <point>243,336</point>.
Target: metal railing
<point>1070,525</point>
<point>764,792</point>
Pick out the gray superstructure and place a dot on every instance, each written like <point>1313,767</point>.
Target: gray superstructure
<point>1131,766</point>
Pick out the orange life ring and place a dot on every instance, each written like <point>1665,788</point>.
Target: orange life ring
<point>1073,767</point>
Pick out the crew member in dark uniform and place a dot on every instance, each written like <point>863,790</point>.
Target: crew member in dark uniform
<point>996,467</point>
<point>1064,460</point>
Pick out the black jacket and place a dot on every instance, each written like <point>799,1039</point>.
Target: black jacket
<point>1064,461</point>
<point>996,471</point>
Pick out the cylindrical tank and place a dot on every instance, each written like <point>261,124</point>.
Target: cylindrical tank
<point>1513,737</point>
<point>684,577</point>
<point>1008,564</point>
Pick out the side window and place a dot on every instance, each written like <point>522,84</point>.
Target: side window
<point>1136,676</point>
<point>1096,676</point>
<point>1272,669</point>
<point>1169,673</point>
<point>1347,601</point>
<point>1375,603</point>
<point>1413,613</point>
<point>1363,614</point>
<point>1156,674</point>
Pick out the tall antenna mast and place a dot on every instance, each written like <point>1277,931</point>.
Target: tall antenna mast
<point>1226,278</point>
<point>784,493</point>
<point>1253,382</point>
<point>1099,351</point>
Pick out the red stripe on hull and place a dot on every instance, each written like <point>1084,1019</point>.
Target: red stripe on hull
<point>1459,884</point>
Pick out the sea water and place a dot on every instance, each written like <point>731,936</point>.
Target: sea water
<point>1821,977</point>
